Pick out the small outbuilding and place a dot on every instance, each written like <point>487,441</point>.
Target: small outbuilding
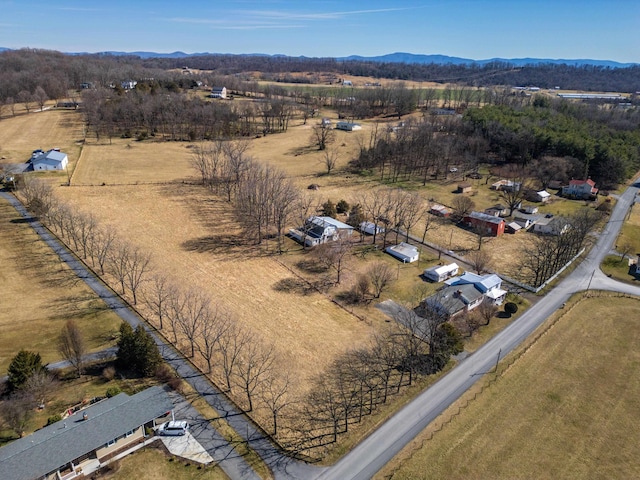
<point>51,160</point>
<point>464,187</point>
<point>542,196</point>
<point>348,126</point>
<point>404,252</point>
<point>440,273</point>
<point>439,210</point>
<point>371,228</point>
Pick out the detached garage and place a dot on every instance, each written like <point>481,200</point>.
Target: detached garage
<point>404,252</point>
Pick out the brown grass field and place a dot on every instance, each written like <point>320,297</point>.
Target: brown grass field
<point>39,294</point>
<point>568,408</point>
<point>195,240</point>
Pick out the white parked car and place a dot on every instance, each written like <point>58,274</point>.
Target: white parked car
<point>174,428</point>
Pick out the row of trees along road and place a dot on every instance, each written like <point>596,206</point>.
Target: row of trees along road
<point>234,357</point>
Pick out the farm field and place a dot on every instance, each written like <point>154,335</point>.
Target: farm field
<point>22,134</point>
<point>39,294</point>
<point>568,408</point>
<point>196,243</point>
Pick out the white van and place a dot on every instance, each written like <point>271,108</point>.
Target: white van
<point>173,428</point>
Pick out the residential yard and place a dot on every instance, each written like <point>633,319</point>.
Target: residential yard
<point>568,408</point>
<point>70,390</point>
<point>151,462</point>
<point>40,293</point>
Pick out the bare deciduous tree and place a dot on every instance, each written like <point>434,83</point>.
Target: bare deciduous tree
<point>334,255</point>
<point>232,343</point>
<point>254,364</point>
<point>381,276</point>
<point>39,387</point>
<point>480,260</point>
<point>329,159</point>
<point>322,136</point>
<point>274,393</point>
<point>487,310</point>
<point>16,412</point>
<point>462,206</point>
<point>157,297</point>
<point>72,346</point>
<point>211,331</point>
<point>119,263</point>
<point>138,266</point>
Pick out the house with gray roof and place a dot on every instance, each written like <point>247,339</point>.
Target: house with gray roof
<point>85,441</point>
<point>453,300</point>
<point>490,285</point>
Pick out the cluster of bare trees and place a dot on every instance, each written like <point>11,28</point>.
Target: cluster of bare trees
<point>546,254</point>
<point>357,383</point>
<point>264,198</point>
<point>394,210</point>
<point>420,149</point>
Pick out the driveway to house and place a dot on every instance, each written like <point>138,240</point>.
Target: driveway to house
<point>233,465</point>
<point>383,444</point>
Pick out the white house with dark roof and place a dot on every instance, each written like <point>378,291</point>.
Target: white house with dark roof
<point>51,160</point>
<point>218,92</point>
<point>85,441</point>
<point>317,230</point>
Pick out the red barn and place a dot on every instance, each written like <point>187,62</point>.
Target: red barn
<point>492,225</point>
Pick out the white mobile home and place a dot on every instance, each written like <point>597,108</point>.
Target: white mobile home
<point>440,273</point>
<point>348,126</point>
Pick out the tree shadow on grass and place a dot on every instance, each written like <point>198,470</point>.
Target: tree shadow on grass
<point>311,266</point>
<point>294,285</point>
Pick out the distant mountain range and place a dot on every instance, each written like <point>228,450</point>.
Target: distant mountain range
<point>398,57</point>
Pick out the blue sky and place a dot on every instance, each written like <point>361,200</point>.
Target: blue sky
<point>476,29</point>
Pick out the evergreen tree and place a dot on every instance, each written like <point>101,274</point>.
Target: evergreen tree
<point>137,350</point>
<point>22,366</point>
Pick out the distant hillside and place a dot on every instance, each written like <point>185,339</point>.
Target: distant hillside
<point>398,57</point>
<point>411,58</point>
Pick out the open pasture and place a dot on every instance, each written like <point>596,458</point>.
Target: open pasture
<point>22,134</point>
<point>196,243</point>
<point>125,161</point>
<point>39,294</point>
<point>568,408</point>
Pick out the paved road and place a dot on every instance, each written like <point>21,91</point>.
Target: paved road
<point>234,465</point>
<point>381,446</point>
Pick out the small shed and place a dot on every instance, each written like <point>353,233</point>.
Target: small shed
<point>530,209</point>
<point>404,252</point>
<point>497,211</point>
<point>440,273</point>
<point>512,227</point>
<point>464,187</point>
<point>542,196</point>
<point>439,210</point>
<point>371,228</point>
